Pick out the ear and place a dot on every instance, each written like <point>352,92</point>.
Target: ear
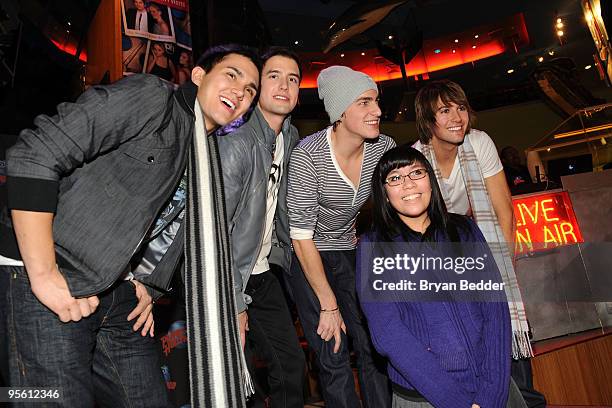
<point>197,74</point>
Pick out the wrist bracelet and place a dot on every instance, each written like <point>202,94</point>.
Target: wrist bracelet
<point>330,310</point>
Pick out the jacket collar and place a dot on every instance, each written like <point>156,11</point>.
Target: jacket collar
<point>267,134</point>
<point>186,96</point>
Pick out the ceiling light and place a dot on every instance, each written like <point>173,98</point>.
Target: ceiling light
<point>437,51</point>
<point>510,71</point>
<point>559,20</point>
<point>473,46</point>
<point>296,42</point>
<point>456,40</point>
<point>540,59</point>
<point>341,55</point>
<point>560,33</point>
<point>476,36</point>
<point>603,141</point>
<point>548,150</point>
<point>390,37</point>
<point>587,67</point>
<point>551,53</point>
<point>363,53</point>
<point>454,51</point>
<point>559,25</point>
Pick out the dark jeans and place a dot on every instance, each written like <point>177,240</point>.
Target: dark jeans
<point>4,343</point>
<point>97,359</point>
<point>273,335</point>
<point>523,376</point>
<point>336,376</point>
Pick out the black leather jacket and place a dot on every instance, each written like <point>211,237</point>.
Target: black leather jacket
<point>246,160</point>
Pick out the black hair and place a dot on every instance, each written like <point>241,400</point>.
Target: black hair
<point>283,52</point>
<point>214,55</point>
<point>386,223</point>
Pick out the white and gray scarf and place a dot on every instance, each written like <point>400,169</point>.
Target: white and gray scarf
<point>486,219</point>
<point>217,368</point>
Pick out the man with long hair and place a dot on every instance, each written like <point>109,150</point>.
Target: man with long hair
<point>473,183</point>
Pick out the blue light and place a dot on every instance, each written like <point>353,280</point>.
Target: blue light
<point>437,51</point>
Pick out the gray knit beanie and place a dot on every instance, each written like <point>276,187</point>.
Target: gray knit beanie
<point>339,86</point>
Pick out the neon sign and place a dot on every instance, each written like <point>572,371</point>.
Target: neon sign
<point>544,221</point>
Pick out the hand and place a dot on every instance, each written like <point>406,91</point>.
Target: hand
<point>51,289</point>
<point>144,311</point>
<point>330,324</point>
<point>243,325</point>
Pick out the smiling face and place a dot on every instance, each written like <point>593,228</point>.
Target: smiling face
<point>226,92</point>
<point>280,86</point>
<point>410,198</point>
<point>452,121</point>
<point>362,117</point>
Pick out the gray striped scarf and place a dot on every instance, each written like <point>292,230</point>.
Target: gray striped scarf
<point>484,215</point>
<point>217,369</point>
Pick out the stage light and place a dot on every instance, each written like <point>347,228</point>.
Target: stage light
<point>551,53</point>
<point>560,33</point>
<point>456,40</point>
<point>390,37</point>
<point>476,36</point>
<point>341,55</point>
<point>587,67</point>
<point>363,53</point>
<point>454,51</point>
<point>473,46</point>
<point>540,59</point>
<point>296,42</point>
<point>510,71</point>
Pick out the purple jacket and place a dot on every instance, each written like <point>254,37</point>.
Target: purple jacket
<point>455,354</point>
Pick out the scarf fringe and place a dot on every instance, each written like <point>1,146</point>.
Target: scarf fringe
<point>247,381</point>
<point>521,345</point>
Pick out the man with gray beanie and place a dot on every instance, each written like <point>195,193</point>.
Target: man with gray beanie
<point>329,181</point>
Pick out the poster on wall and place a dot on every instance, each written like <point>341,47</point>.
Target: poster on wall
<point>157,39</point>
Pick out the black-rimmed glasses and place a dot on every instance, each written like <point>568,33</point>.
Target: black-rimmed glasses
<point>397,179</point>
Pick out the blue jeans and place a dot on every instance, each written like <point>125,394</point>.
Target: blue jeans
<point>335,373</point>
<point>98,359</point>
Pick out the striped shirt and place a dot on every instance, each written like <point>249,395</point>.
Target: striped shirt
<point>322,201</point>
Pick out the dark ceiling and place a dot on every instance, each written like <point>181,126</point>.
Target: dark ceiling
<point>487,81</point>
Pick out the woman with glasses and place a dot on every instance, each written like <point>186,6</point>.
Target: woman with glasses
<point>441,351</point>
